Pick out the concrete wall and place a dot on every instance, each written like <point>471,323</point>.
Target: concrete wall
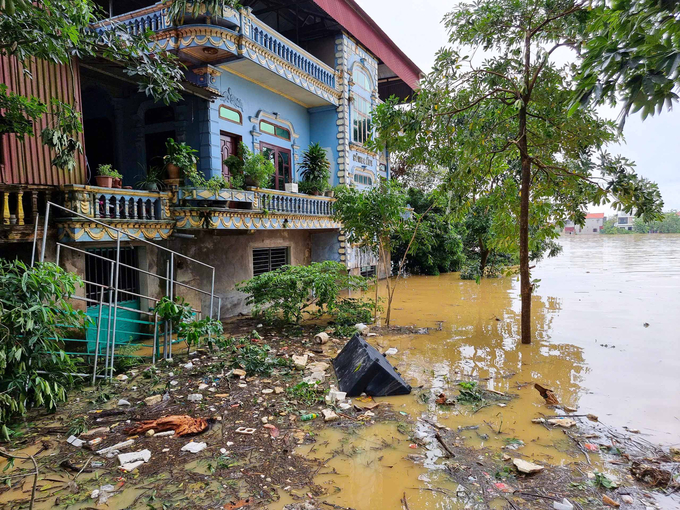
<point>232,255</point>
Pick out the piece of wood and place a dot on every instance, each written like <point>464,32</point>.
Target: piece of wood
<point>547,394</point>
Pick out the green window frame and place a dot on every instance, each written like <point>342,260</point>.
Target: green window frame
<point>230,114</point>
<point>363,179</point>
<point>274,130</point>
<point>361,79</point>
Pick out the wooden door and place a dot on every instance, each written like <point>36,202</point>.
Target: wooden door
<point>228,147</point>
<point>282,163</point>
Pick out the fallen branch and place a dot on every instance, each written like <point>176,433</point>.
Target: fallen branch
<point>441,442</point>
<point>8,456</point>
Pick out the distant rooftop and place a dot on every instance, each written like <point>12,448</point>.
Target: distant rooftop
<point>595,215</point>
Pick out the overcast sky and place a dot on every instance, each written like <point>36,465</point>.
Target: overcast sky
<point>654,145</point>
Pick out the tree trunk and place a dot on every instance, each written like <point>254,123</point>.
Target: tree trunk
<point>484,252</point>
<point>524,273</point>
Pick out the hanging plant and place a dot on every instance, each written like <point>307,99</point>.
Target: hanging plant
<point>62,136</point>
<point>178,9</point>
<point>18,113</point>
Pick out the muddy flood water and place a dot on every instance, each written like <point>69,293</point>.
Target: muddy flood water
<point>606,340</point>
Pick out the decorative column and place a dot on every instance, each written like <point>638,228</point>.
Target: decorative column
<point>5,208</point>
<point>20,208</point>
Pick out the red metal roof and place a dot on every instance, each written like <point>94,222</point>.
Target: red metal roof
<point>595,215</point>
<point>358,23</point>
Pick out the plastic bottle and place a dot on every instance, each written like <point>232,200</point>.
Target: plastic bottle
<point>307,417</point>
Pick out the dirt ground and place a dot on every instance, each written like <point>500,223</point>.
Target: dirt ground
<point>254,470</point>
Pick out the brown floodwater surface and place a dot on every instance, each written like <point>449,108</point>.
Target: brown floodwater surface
<point>606,337</point>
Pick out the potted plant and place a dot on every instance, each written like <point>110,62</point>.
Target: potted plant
<point>249,168</point>
<point>330,192</point>
<point>152,180</point>
<point>180,157</point>
<point>105,176</point>
<point>315,170</point>
<point>117,182</point>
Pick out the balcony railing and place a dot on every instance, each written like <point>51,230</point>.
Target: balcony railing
<point>21,203</point>
<point>294,203</point>
<point>291,52</point>
<point>117,204</point>
<point>154,18</point>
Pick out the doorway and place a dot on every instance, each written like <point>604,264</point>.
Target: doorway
<point>281,159</point>
<point>229,143</point>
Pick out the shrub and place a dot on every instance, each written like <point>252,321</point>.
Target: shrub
<point>351,311</point>
<point>255,360</point>
<point>315,169</point>
<point>249,168</point>
<point>34,314</point>
<point>289,292</point>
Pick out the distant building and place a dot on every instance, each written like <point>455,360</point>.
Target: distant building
<point>624,221</point>
<point>594,225</point>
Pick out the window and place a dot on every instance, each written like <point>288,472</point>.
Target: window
<point>228,113</point>
<point>98,273</point>
<point>361,119</point>
<point>368,271</point>
<point>272,129</point>
<point>363,179</point>
<point>269,259</point>
<point>361,79</point>
<point>623,221</point>
<point>281,159</point>
<point>594,230</point>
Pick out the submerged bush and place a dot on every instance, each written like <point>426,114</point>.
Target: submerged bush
<point>288,293</point>
<point>35,314</point>
<point>255,360</point>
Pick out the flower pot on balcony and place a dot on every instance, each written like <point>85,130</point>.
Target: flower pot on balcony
<point>104,181</point>
<point>173,171</point>
<point>330,193</point>
<point>250,181</point>
<point>117,182</point>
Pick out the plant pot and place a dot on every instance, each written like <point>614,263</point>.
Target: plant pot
<point>104,181</point>
<point>251,182</point>
<point>117,183</point>
<point>150,186</point>
<point>173,171</point>
<point>330,193</point>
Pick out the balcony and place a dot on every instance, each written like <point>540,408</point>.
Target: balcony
<point>20,206</point>
<point>140,214</point>
<point>239,43</point>
<point>256,209</point>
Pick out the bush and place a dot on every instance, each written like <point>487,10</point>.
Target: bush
<point>288,293</point>
<point>255,360</point>
<point>351,311</point>
<point>35,313</point>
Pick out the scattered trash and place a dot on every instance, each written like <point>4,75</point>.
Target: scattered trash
<point>103,494</point>
<point>272,430</point>
<point>188,366</point>
<point>391,351</point>
<point>329,415</point>
<point>547,394</point>
<point>569,409</point>
<point>308,417</point>
<point>527,467</point>
<point>609,501</point>
<point>245,430</point>
<point>565,504</point>
<point>122,377</point>
<point>627,499</point>
<point>195,397</point>
<point>316,377</point>
<point>278,390</point>
<point>592,417</point>
<point>153,400</point>
<point>94,442</point>
<point>361,328</point>
<point>95,432</point>
<point>361,368</point>
<point>335,396</point>
<point>167,433</point>
<point>150,433</point>
<point>321,338</point>
<point>182,425</point>
<point>131,466</point>
<point>413,446</point>
<point>300,362</point>
<point>443,401</point>
<point>73,440</point>
<point>115,447</point>
<point>126,458</point>
<point>194,447</point>
<point>646,324</point>
<point>503,487</point>
<point>591,447</point>
<point>562,422</point>
<point>267,391</point>
<point>654,476</point>
<point>538,420</point>
<point>122,403</point>
<point>239,372</point>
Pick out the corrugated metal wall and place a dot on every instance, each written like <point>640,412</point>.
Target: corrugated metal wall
<point>29,162</point>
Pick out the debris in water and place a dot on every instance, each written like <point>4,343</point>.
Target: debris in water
<point>182,425</point>
<point>609,501</point>
<point>527,467</point>
<point>248,431</point>
<point>651,475</point>
<point>443,401</point>
<point>361,368</point>
<point>195,397</point>
<point>547,394</point>
<point>73,440</point>
<point>591,447</point>
<point>329,415</point>
<point>194,447</point>
<point>125,458</point>
<point>300,362</point>
<point>391,351</point>
<point>538,420</point>
<point>566,423</point>
<point>321,338</point>
<point>565,504</point>
<point>122,403</point>
<point>115,447</point>
<point>153,400</point>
